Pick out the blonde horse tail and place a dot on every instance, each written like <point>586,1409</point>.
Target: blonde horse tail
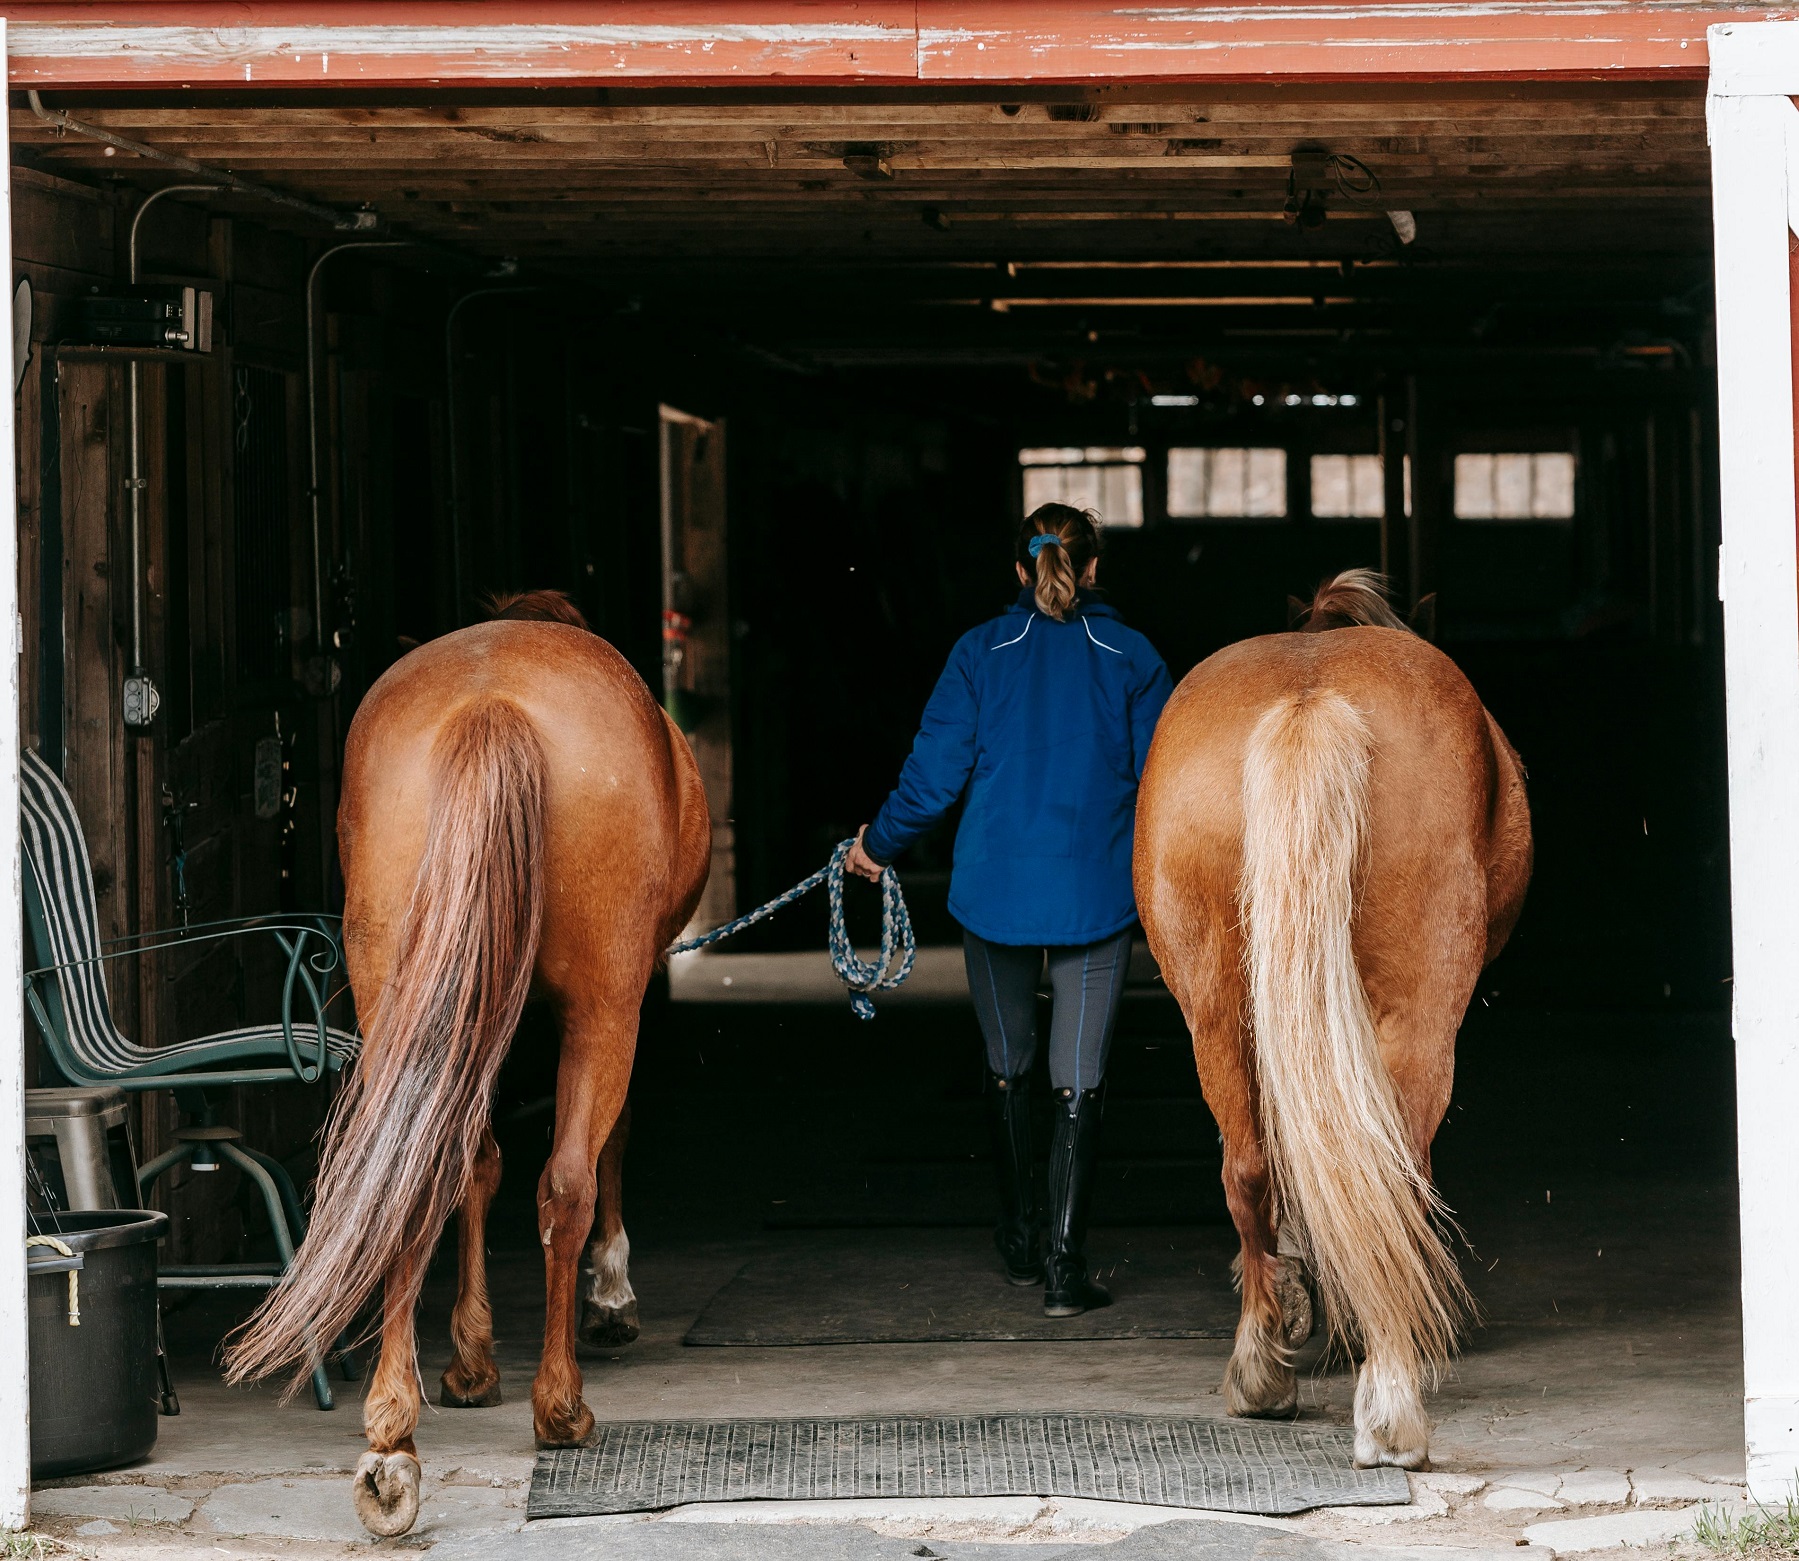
<point>402,1138</point>
<point>1346,1178</point>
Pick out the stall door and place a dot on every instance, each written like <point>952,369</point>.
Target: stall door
<point>1755,198</point>
<point>696,629</point>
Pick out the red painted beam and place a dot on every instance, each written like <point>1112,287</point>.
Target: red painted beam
<point>141,43</point>
<point>1080,40</point>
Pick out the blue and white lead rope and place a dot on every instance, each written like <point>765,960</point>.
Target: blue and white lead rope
<point>859,975</point>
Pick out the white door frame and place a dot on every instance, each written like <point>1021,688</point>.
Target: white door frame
<point>15,1381</point>
<point>1754,132</point>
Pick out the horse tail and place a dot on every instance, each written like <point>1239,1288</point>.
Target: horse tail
<point>1348,1181</point>
<point>402,1138</point>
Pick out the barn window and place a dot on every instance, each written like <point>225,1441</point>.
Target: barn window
<point>1347,487</point>
<point>1538,486</point>
<point>1105,479</point>
<point>1227,482</point>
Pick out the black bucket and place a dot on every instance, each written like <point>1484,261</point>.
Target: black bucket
<point>93,1387</point>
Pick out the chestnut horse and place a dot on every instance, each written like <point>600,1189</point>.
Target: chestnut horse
<point>1332,842</point>
<point>518,817</point>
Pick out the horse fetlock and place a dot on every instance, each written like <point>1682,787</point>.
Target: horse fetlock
<point>1391,1427</point>
<point>385,1490</point>
<point>1259,1380</point>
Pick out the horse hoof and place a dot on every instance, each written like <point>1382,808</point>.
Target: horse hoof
<point>579,1433</point>
<point>1370,1454</point>
<point>606,1327</point>
<point>385,1489</point>
<point>1293,1290</point>
<point>487,1398</point>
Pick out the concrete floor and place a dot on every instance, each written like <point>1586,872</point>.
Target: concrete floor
<point>1599,1400</point>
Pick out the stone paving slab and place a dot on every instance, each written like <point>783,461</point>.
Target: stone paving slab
<point>124,1503</point>
<point>320,1509</point>
<point>1615,1530</point>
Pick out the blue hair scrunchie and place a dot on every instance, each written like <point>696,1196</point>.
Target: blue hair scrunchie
<point>1042,540</point>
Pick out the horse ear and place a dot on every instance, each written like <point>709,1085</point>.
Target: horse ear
<point>1296,609</point>
<point>1423,617</point>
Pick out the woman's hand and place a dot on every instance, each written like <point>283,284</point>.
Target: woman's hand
<point>860,862</point>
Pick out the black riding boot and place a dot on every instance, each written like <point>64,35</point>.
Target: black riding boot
<point>1009,1113</point>
<point>1073,1153</point>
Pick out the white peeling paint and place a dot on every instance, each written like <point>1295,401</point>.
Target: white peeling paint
<point>100,40</point>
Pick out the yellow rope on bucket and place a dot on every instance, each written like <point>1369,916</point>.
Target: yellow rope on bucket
<point>74,1277</point>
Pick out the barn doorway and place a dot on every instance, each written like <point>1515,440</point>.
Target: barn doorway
<point>1459,334</point>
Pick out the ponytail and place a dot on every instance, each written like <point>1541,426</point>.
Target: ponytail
<point>1055,545</point>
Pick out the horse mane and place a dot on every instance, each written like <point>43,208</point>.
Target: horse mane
<point>535,607</point>
<point>1355,597</point>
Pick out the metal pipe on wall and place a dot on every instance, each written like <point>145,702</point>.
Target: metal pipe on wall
<point>312,430</point>
<point>141,698</point>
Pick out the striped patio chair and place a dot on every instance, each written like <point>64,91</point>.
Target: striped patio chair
<point>67,997</point>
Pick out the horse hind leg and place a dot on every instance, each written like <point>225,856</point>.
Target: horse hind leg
<point>472,1380</point>
<point>590,1093</point>
<point>385,1486</point>
<point>1259,1380</point>
<point>608,1303</point>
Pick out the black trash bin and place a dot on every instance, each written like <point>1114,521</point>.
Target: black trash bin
<point>93,1387</point>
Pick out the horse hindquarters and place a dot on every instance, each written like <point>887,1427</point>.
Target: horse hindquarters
<point>1333,1126</point>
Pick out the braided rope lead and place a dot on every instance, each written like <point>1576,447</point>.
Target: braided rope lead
<point>861,976</point>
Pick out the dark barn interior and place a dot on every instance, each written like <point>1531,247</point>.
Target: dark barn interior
<point>829,341</point>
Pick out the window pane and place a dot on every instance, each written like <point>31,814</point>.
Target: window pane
<point>1515,486</point>
<point>1347,487</point>
<point>1052,455</point>
<point>1553,498</point>
<point>1367,486</point>
<point>1474,487</point>
<point>1121,495</point>
<point>1229,482</point>
<point>1267,484</point>
<point>1330,486</point>
<point>1115,493</point>
<point>1226,482</point>
<point>1511,486</point>
<point>1187,482</point>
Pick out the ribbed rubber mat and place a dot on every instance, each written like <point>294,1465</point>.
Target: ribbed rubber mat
<point>1218,1465</point>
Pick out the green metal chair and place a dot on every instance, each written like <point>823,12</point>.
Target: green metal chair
<point>66,994</point>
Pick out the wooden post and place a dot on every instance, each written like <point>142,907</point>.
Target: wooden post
<point>15,1376</point>
<point>1395,533</point>
<point>1755,151</point>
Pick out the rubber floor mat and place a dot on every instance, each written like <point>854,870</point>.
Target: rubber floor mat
<point>1166,1461</point>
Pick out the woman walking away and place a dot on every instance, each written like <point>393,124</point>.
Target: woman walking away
<point>1042,721</point>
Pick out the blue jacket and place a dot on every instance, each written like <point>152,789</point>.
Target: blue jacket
<point>1045,726</point>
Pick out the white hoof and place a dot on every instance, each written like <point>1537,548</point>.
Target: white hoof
<point>385,1489</point>
<point>1370,1454</point>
